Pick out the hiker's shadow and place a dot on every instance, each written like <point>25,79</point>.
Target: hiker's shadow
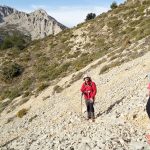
<point>108,110</point>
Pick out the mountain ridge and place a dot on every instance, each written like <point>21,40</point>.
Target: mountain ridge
<point>38,23</point>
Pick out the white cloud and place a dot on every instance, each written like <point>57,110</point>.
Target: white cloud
<point>70,16</point>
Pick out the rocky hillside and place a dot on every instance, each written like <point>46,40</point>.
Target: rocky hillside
<point>54,121</point>
<point>121,35</point>
<point>37,24</point>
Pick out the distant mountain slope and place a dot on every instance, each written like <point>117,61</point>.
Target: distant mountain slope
<point>38,24</point>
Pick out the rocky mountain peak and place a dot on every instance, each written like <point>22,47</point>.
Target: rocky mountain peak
<point>38,24</point>
<point>42,14</point>
<point>40,11</point>
<point>5,11</point>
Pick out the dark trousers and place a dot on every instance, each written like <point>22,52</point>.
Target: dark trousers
<point>148,107</point>
<point>90,108</point>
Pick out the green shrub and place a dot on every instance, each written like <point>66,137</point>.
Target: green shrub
<point>7,43</point>
<point>20,43</point>
<point>100,52</point>
<point>74,55</point>
<point>22,112</point>
<point>83,61</point>
<point>111,54</point>
<point>87,45</point>
<point>133,34</point>
<point>134,23</point>
<point>15,92</point>
<point>113,57</point>
<point>3,105</point>
<point>99,63</point>
<point>64,39</point>
<point>104,69</point>
<point>140,33</point>
<point>10,93</point>
<point>129,29</point>
<point>129,13</point>
<point>135,55</point>
<point>16,40</point>
<point>146,2</point>
<point>26,84</point>
<point>119,9</point>
<point>25,57</point>
<point>79,25</point>
<point>26,94</point>
<point>11,70</point>
<point>143,31</point>
<point>100,42</point>
<point>109,66</point>
<point>90,16</point>
<point>57,89</point>
<point>44,72</point>
<point>145,23</point>
<point>32,118</point>
<point>58,72</point>
<point>113,5</point>
<point>42,87</point>
<point>114,64</point>
<point>76,77</point>
<point>64,67</point>
<point>114,23</point>
<point>47,72</point>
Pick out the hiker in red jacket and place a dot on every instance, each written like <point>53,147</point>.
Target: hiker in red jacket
<point>89,90</point>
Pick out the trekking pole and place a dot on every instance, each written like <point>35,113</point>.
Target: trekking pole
<point>81,106</point>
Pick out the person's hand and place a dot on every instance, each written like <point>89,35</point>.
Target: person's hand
<point>83,93</point>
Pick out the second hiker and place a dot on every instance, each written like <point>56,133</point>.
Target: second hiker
<point>148,102</point>
<point>89,90</point>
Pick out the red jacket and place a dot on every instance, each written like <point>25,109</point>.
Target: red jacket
<point>148,87</point>
<point>89,90</point>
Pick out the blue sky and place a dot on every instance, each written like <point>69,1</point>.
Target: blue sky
<point>68,12</point>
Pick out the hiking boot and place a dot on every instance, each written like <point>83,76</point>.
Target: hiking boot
<point>89,116</point>
<point>93,117</point>
<point>93,120</point>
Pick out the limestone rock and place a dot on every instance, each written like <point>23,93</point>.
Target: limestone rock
<point>38,24</point>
